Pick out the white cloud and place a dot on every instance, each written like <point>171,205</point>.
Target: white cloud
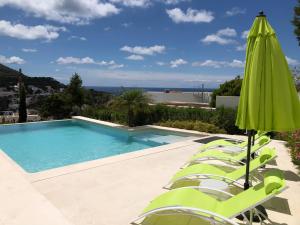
<point>135,57</point>
<point>241,47</point>
<point>21,31</point>
<point>228,32</point>
<point>29,50</point>
<point>235,11</point>
<point>221,37</point>
<point>160,63</point>
<point>190,16</point>
<point>173,2</point>
<point>133,3</point>
<point>64,11</point>
<point>208,63</point>
<point>142,50</point>
<point>126,25</point>
<point>245,34</point>
<point>11,60</point>
<point>116,66</point>
<point>87,60</point>
<point>77,37</point>
<point>236,64</point>
<point>74,60</point>
<point>292,62</point>
<point>145,3</point>
<point>177,62</point>
<point>217,39</point>
<point>107,28</point>
<point>218,64</point>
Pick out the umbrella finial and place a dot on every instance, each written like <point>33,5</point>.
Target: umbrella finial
<point>261,14</point>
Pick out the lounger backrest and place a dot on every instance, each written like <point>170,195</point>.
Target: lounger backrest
<point>260,133</point>
<point>273,184</point>
<point>266,155</point>
<point>262,141</point>
<point>273,181</point>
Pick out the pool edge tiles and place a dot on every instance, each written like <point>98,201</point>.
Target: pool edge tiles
<point>135,131</point>
<point>60,171</point>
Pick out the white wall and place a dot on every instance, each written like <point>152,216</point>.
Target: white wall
<point>227,101</point>
<point>187,97</point>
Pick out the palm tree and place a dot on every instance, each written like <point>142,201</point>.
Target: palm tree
<point>131,101</point>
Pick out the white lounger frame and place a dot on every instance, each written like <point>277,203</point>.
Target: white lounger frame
<point>204,176</point>
<point>199,176</point>
<point>209,158</point>
<point>222,146</point>
<point>212,219</point>
<point>224,159</point>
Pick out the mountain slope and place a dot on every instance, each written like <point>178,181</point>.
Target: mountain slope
<point>9,77</point>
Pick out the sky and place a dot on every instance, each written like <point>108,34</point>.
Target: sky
<point>137,43</point>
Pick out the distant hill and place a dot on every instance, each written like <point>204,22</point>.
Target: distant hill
<point>9,77</point>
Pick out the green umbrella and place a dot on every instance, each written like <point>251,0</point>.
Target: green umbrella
<point>268,99</point>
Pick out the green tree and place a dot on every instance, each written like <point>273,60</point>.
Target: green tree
<point>296,75</point>
<point>131,102</point>
<point>229,88</point>
<point>22,100</point>
<point>56,106</point>
<point>296,21</point>
<point>4,103</point>
<point>75,91</point>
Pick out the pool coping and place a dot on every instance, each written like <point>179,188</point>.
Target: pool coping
<point>137,128</point>
<point>86,165</point>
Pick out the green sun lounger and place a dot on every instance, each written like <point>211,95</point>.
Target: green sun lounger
<point>229,142</point>
<point>215,154</point>
<point>190,175</point>
<point>190,206</point>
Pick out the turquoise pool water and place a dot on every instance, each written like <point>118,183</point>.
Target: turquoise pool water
<point>41,146</point>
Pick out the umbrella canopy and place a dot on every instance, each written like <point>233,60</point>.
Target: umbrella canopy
<point>268,99</point>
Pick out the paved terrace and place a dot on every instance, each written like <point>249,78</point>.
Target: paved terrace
<point>115,191</point>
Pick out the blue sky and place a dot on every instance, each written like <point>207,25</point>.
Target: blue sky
<point>141,43</point>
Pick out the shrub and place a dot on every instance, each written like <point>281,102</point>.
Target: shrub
<point>163,113</point>
<point>192,125</point>
<point>225,119</point>
<point>293,142</point>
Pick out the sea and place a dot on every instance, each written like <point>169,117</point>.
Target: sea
<point>117,90</point>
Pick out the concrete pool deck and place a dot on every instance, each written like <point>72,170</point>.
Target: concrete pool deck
<point>115,193</point>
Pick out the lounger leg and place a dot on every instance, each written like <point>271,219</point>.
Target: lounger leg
<point>264,216</point>
<point>251,217</point>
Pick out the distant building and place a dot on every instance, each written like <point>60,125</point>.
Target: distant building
<point>198,99</point>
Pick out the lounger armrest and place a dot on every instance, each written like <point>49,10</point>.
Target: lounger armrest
<point>234,141</point>
<point>227,194</point>
<point>215,158</point>
<point>201,176</point>
<point>188,210</point>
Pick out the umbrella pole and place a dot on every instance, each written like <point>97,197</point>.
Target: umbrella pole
<point>246,184</point>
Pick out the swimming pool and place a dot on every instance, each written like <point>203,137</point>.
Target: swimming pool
<point>46,145</point>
